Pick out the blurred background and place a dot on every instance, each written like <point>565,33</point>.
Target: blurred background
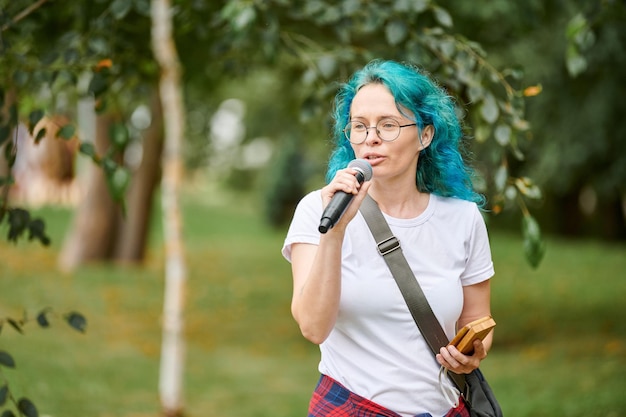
<point>107,211</point>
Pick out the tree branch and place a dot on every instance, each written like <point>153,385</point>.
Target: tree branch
<point>24,13</point>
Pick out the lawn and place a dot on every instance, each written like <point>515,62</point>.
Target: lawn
<point>560,347</point>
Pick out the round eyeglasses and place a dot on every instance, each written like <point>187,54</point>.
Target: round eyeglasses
<point>387,130</point>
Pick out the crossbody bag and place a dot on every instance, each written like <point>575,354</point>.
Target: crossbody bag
<point>474,388</point>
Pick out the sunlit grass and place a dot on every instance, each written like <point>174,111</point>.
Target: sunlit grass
<point>560,346</point>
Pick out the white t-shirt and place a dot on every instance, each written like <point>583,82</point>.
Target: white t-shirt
<point>375,348</point>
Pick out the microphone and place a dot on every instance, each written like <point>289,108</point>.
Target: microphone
<point>341,200</point>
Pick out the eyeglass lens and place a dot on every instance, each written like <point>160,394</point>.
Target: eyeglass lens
<point>387,130</point>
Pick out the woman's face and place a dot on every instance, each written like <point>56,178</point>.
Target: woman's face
<point>389,160</point>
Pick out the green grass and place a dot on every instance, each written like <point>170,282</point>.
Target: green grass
<point>560,347</point>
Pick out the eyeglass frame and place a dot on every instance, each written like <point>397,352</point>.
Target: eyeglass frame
<point>367,130</point>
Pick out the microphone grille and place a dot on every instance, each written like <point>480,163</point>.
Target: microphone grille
<point>363,166</point>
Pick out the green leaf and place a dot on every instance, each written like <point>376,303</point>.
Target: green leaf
<point>4,393</point>
<point>244,18</point>
<point>98,84</point>
<point>33,118</point>
<point>142,7</point>
<point>442,16</point>
<point>575,62</point>
<point>98,45</point>
<point>18,223</point>
<point>575,25</point>
<point>76,321</point>
<point>42,320</point>
<point>534,246</point>
<point>88,149</point>
<point>500,178</point>
<point>396,31</point>
<point>420,5</point>
<point>41,133</point>
<point>309,77</point>
<point>37,230</point>
<point>489,109</point>
<point>109,165</point>
<point>402,6</point>
<point>17,326</point>
<point>118,133</point>
<point>476,92</point>
<point>448,48</point>
<point>528,188</point>
<point>503,134</point>
<point>6,359</point>
<point>482,132</point>
<point>66,132</point>
<point>120,8</point>
<point>327,64</point>
<point>118,181</point>
<point>27,408</point>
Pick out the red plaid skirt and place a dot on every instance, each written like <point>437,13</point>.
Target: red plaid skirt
<point>331,399</point>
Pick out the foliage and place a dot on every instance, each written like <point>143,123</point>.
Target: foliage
<point>101,51</point>
<point>322,42</point>
<point>87,58</point>
<point>583,133</point>
<point>575,148</point>
<point>24,406</point>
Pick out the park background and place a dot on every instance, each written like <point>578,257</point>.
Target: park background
<point>540,88</point>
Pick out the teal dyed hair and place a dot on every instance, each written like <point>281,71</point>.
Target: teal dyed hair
<point>441,168</point>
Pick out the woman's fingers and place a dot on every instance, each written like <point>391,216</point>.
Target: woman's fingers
<point>345,180</point>
<point>455,361</point>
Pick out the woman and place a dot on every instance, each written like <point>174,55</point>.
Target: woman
<point>373,357</point>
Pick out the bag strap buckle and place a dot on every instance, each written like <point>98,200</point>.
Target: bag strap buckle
<point>388,245</point>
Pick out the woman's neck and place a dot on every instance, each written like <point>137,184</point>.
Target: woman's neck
<point>399,202</point>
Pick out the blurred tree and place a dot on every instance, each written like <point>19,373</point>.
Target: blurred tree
<point>123,80</point>
<point>52,58</point>
<point>309,44</point>
<point>173,343</point>
<point>576,151</point>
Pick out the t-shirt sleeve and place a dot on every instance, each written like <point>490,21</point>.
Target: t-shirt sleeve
<point>304,224</point>
<point>479,265</point>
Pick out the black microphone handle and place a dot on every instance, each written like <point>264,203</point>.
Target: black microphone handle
<point>337,206</point>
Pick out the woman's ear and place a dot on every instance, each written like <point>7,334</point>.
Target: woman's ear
<point>426,136</point>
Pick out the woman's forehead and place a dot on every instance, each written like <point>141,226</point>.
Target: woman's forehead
<point>376,100</point>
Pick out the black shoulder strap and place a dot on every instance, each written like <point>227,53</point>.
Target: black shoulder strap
<point>389,248</point>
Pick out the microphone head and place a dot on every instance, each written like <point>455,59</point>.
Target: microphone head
<point>362,166</point>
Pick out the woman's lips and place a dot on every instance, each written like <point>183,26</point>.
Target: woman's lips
<point>373,159</point>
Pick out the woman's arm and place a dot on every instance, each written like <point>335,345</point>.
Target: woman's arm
<point>476,304</point>
<point>316,286</point>
<point>316,269</point>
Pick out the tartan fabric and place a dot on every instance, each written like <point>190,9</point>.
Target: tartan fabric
<point>331,399</point>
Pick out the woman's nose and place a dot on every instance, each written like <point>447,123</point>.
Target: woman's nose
<point>372,135</point>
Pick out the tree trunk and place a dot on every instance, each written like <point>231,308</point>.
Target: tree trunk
<point>133,230</point>
<point>93,232</point>
<point>172,352</point>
